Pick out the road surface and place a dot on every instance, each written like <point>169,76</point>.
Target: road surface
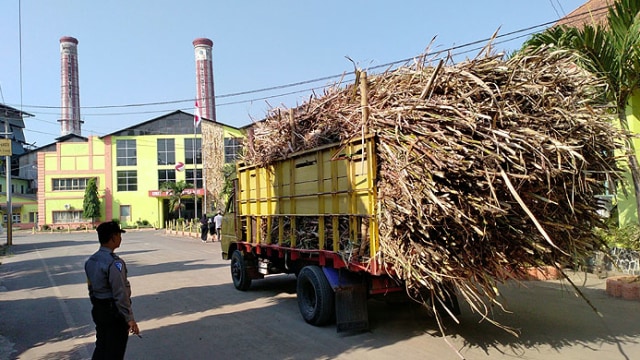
<point>187,308</point>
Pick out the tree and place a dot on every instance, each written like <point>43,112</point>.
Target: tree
<point>175,196</point>
<point>91,202</point>
<point>228,174</point>
<point>610,50</point>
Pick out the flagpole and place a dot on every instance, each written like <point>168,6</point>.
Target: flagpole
<point>196,122</point>
<point>195,173</point>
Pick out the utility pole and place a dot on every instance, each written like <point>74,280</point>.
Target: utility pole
<point>5,149</point>
<point>7,114</point>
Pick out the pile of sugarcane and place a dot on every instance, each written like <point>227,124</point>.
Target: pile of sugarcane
<point>306,232</point>
<point>487,167</point>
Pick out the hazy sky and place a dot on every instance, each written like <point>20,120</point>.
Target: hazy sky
<point>139,52</point>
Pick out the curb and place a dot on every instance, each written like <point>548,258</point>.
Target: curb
<point>625,287</point>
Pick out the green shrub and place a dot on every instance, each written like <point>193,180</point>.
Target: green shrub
<point>142,223</point>
<point>626,237</point>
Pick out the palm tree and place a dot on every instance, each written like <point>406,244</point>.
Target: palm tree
<point>610,50</point>
<point>175,196</point>
<point>228,174</point>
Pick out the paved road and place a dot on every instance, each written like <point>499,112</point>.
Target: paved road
<point>187,308</point>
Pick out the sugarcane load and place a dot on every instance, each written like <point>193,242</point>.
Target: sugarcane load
<point>434,178</point>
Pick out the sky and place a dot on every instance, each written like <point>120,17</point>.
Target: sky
<point>136,58</point>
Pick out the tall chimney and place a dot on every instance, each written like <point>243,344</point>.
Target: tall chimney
<point>205,94</point>
<point>70,122</point>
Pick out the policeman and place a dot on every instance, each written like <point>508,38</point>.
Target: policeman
<point>110,294</point>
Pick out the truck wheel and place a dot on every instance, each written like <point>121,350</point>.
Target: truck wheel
<point>241,279</point>
<point>315,296</point>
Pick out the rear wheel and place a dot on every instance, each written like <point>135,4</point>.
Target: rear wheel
<point>241,279</point>
<point>315,297</point>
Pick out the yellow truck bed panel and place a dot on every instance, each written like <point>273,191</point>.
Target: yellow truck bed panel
<point>323,199</point>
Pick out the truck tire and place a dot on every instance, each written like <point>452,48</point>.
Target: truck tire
<point>241,279</point>
<point>315,296</point>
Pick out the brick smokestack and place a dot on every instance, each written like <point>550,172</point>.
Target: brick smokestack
<point>70,122</point>
<point>205,93</point>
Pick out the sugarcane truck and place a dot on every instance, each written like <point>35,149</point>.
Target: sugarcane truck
<point>313,214</point>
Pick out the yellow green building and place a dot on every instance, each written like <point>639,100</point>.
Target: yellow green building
<point>23,204</point>
<point>23,198</point>
<point>625,198</point>
<point>130,166</point>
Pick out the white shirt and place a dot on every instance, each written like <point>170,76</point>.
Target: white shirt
<point>217,220</point>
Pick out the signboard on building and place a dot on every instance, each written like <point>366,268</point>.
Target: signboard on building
<point>166,193</point>
<point>5,147</point>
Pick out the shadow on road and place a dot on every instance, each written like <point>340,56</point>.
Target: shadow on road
<point>190,309</point>
<point>552,315</point>
<point>23,248</point>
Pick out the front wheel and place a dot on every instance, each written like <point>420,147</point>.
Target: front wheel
<point>241,279</point>
<point>315,296</point>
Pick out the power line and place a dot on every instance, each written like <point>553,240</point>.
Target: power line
<point>527,31</point>
<point>345,76</point>
<point>561,8</point>
<point>554,8</point>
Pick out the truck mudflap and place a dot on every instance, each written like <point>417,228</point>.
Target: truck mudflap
<point>350,291</point>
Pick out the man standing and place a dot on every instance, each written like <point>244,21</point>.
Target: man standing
<point>217,221</point>
<point>110,294</point>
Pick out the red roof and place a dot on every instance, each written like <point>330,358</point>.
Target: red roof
<point>590,13</point>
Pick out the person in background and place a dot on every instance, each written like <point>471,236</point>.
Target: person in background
<point>204,228</point>
<point>110,294</point>
<point>217,222</point>
<point>212,229</point>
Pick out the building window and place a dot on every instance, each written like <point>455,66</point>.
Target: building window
<point>166,152</point>
<point>197,180</point>
<point>70,184</point>
<point>74,216</point>
<point>126,152</point>
<point>192,146</point>
<point>232,149</point>
<point>128,180</point>
<point>33,217</point>
<point>15,218</point>
<point>165,176</point>
<point>125,213</point>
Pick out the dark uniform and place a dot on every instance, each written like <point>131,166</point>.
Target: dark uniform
<point>110,295</point>
<point>204,228</point>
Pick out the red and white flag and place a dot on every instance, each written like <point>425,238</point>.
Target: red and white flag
<point>197,117</point>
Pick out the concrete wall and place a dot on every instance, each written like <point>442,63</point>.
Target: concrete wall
<point>620,260</point>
